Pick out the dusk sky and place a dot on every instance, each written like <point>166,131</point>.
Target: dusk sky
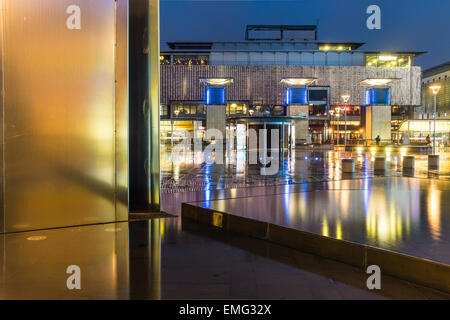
<point>407,25</point>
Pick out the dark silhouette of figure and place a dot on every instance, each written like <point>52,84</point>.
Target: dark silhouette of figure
<point>428,139</point>
<point>377,139</point>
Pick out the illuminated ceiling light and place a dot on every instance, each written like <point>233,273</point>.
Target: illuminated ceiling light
<point>345,98</point>
<point>217,81</point>
<point>298,81</point>
<point>387,58</point>
<point>435,88</point>
<point>377,82</point>
<point>37,238</point>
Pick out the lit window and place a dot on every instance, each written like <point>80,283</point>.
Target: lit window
<point>338,47</point>
<point>388,60</point>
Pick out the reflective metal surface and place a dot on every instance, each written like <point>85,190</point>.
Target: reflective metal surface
<point>121,117</point>
<point>60,152</point>
<point>154,107</point>
<point>144,106</point>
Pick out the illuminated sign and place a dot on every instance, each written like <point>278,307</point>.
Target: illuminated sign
<point>215,96</point>
<point>296,95</point>
<point>216,81</point>
<point>377,96</point>
<point>298,81</point>
<point>377,81</point>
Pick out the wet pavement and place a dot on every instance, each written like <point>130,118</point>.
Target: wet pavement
<point>406,215</point>
<point>183,170</point>
<point>170,259</point>
<point>167,258</point>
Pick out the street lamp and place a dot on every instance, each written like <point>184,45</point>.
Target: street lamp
<point>338,110</point>
<point>345,98</point>
<point>435,89</point>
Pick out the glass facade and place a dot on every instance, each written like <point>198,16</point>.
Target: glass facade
<point>296,95</point>
<point>236,108</point>
<point>215,95</point>
<point>188,109</point>
<point>377,96</point>
<point>164,60</point>
<point>380,60</point>
<point>335,47</point>
<point>188,60</point>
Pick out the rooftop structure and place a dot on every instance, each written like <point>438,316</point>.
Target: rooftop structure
<point>283,45</point>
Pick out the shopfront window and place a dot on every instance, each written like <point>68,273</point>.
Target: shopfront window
<point>164,60</point>
<point>236,108</point>
<point>188,109</point>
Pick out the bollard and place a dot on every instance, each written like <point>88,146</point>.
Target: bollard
<point>380,164</point>
<point>348,165</point>
<point>409,162</point>
<point>433,161</point>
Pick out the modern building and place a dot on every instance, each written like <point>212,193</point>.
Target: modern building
<point>439,74</point>
<point>421,120</point>
<point>284,75</point>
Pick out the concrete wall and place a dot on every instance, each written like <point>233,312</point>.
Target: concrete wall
<point>378,122</point>
<point>216,118</point>
<point>261,84</point>
<point>301,126</point>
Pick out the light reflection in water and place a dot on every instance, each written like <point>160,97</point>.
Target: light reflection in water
<point>325,228</point>
<point>338,229</point>
<point>434,210</point>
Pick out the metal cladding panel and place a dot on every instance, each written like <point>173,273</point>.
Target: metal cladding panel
<point>216,58</point>
<point>332,59</point>
<point>261,84</point>
<point>307,58</point>
<point>319,59</point>
<point>229,58</point>
<point>144,109</point>
<point>121,117</point>
<point>358,59</point>
<point>345,59</point>
<point>60,154</point>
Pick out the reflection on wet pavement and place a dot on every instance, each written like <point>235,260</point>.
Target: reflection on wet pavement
<point>406,215</point>
<point>185,170</point>
<point>168,259</point>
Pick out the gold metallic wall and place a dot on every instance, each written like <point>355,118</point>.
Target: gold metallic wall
<point>64,114</point>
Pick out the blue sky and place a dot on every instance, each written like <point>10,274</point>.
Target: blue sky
<point>407,25</point>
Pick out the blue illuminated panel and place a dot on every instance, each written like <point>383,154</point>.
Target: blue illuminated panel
<point>376,96</point>
<point>296,95</point>
<point>215,96</point>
